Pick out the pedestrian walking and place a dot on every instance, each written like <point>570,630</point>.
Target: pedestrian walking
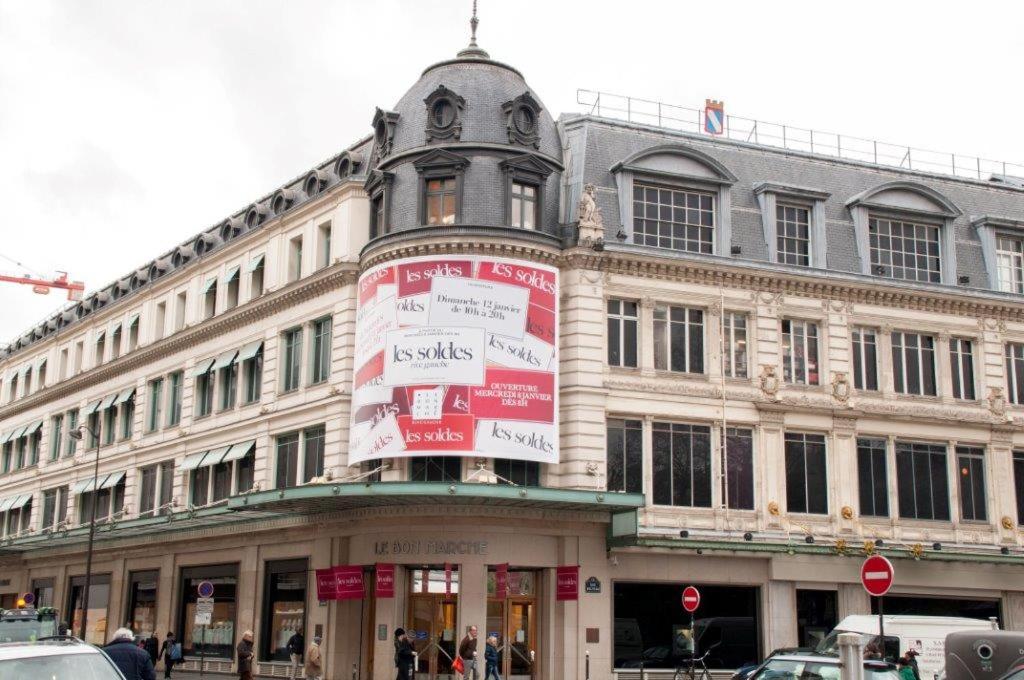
<point>491,658</point>
<point>296,644</point>
<point>467,652</point>
<point>153,648</point>
<point>245,654</point>
<point>314,666</point>
<point>133,662</point>
<point>403,655</point>
<point>170,650</point>
<point>904,669</point>
<point>912,661</point>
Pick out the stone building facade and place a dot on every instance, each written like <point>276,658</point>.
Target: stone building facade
<point>770,365</point>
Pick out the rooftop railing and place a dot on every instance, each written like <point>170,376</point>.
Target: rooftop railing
<point>685,119</point>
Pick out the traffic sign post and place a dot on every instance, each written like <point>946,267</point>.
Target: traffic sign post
<point>877,575</point>
<point>203,617</point>
<point>691,601</point>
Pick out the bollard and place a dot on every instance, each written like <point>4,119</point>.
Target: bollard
<point>588,665</point>
<point>355,672</point>
<point>851,657</point>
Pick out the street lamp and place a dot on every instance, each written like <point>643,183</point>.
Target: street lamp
<point>77,434</point>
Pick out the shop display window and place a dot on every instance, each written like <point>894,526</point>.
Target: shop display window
<point>284,607</point>
<point>99,598</point>
<point>219,639</point>
<point>142,602</point>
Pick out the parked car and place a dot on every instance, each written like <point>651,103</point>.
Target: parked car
<point>805,666</point>
<point>55,659</point>
<point>743,672</point>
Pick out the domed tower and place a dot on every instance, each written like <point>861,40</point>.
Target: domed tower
<point>470,145</point>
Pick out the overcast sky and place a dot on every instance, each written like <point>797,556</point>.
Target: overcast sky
<point>127,126</point>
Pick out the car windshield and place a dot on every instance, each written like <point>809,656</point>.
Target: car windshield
<point>26,631</point>
<point>793,669</point>
<point>59,667</point>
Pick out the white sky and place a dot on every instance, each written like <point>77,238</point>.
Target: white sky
<point>127,126</point>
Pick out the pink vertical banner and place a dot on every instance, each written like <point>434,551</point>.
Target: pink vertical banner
<point>447,578</point>
<point>326,584</point>
<point>501,581</point>
<point>385,580</point>
<point>349,582</point>
<point>567,580</point>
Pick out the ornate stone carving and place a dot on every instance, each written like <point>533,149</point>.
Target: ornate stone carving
<point>591,224</point>
<point>522,117</point>
<point>593,468</point>
<point>444,114</point>
<point>647,302</point>
<point>773,508</point>
<point>996,402</point>
<point>1006,522</point>
<point>769,381</point>
<point>840,386</point>
<point>847,512</point>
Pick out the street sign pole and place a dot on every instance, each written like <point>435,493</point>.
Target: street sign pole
<point>691,601</point>
<point>881,623</point>
<point>877,576</point>
<point>203,617</point>
<point>202,653</point>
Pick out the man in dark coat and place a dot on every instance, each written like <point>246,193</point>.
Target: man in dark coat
<point>403,655</point>
<point>245,656</point>
<point>153,647</point>
<point>132,661</point>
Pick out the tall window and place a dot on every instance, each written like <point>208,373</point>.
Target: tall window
<point>156,400</point>
<point>681,464</point>
<point>435,469</point>
<point>55,507</point>
<point>72,443</point>
<point>673,218</point>
<point>287,460</point>
<point>377,216</point>
<point>806,473</point>
<point>313,453</point>
<point>115,342</point>
<point>127,415</point>
<point>799,352</point>
<point>321,368</point>
<point>251,357</point>
<point>865,359</point>
<point>970,463</point>
<point>284,604</point>
<point>872,478</point>
<point>792,226</point>
<point>109,424</point>
<point>174,383</point>
<point>291,360</point>
<point>210,298</point>
<point>922,481</point>
<point>101,346</point>
<point>228,380</point>
<point>56,435</point>
<point>678,339</point>
<point>624,455</point>
<point>1010,263</point>
<point>180,308</point>
<point>133,333</point>
<point>622,333</point>
<point>1018,483</point>
<point>295,259</point>
<point>159,320</point>
<point>109,501</point>
<point>147,490</point>
<point>231,288</point>
<point>737,472</point>
<point>440,200</point>
<point>323,245</point>
<point>524,205</point>
<point>913,363</point>
<point>961,364</point>
<point>519,472</point>
<point>905,250</point>
<point>734,344</point>
<point>256,277</point>
<point>1015,372</point>
<point>206,384</point>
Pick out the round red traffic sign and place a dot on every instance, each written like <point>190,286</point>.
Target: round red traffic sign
<point>876,574</point>
<point>691,599</point>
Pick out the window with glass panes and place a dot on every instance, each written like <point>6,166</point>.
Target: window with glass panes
<point>440,201</point>
<point>284,607</point>
<point>314,439</point>
<point>793,234</point>
<point>518,472</point>
<point>128,416</point>
<point>287,460</point>
<point>148,478</point>
<point>970,464</point>
<point>109,425</point>
<point>734,344</point>
<point>678,219</point>
<point>435,469</point>
<point>681,464</point>
<point>228,381</point>
<point>291,360</point>
<point>377,216</point>
<point>1015,372</point>
<point>921,480</point>
<point>109,501</point>
<point>865,359</point>
<point>737,472</point>
<point>872,477</point>
<point>624,455</point>
<point>321,368</point>
<point>904,250</point>
<point>799,352</point>
<point>1010,263</point>
<point>205,388</point>
<point>71,442</point>
<point>1018,483</point>
<point>55,507</point>
<point>252,374</point>
<point>524,205</point>
<point>623,345</point>
<point>806,473</point>
<point>56,435</point>
<point>156,400</point>
<point>678,339</point>
<point>913,363</point>
<point>961,365</point>
<point>245,478</point>
<point>174,382</point>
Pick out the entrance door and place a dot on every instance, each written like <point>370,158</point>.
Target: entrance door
<point>433,632</point>
<point>514,622</point>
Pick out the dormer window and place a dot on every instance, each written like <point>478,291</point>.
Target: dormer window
<point>444,114</point>
<point>384,123</point>
<point>901,249</point>
<point>525,177</point>
<point>1002,246</point>
<point>378,188</point>
<point>524,205</point>
<point>793,220</point>
<point>521,115</point>
<point>441,201</point>
<point>1010,263</point>
<point>441,175</point>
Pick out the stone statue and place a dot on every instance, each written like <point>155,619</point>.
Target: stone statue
<point>590,214</point>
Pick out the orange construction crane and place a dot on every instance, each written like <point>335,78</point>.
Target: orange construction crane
<point>42,286</point>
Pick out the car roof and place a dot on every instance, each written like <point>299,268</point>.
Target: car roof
<point>821,658</point>
<point>22,650</point>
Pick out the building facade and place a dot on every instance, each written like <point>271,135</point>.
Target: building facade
<point>767,365</point>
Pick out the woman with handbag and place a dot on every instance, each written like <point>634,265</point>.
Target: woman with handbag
<point>170,650</point>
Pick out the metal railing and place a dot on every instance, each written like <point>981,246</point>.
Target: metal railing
<point>685,119</point>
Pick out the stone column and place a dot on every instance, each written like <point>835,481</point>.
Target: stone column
<point>853,600</point>
<point>780,616</point>
<point>473,608</point>
<point>843,477</point>
<point>772,502</point>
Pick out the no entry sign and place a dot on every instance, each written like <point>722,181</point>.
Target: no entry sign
<point>691,599</point>
<point>876,574</point>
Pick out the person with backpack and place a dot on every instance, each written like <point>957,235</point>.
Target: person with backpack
<point>171,652</point>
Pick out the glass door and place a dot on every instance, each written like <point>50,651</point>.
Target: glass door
<point>433,628</point>
<point>513,621</point>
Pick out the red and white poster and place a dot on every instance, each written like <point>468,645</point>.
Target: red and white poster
<point>339,583</point>
<point>567,582</point>
<point>456,356</point>
<point>385,581</point>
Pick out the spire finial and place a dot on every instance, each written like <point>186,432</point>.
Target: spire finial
<point>473,51</point>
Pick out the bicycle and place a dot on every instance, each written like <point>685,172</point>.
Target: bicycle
<point>696,669</point>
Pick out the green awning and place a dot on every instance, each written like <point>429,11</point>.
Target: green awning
<point>90,409</point>
<point>6,437</point>
<point>115,329</point>
<point>249,351</point>
<point>192,461</point>
<point>125,395</point>
<point>40,363</point>
<point>19,501</point>
<point>231,275</point>
<point>239,451</point>
<point>95,483</point>
<point>225,359</point>
<point>202,368</point>
<point>24,370</point>
<point>79,486</point>
<point>210,283</point>
<point>256,263</point>
<point>112,480</point>
<point>5,504</point>
<point>214,456</point>
<point>34,427</point>
<point>108,402</point>
<point>19,433</point>
<point>132,320</point>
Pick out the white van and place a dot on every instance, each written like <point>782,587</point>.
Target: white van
<point>926,634</point>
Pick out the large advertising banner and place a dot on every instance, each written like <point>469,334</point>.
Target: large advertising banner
<point>456,356</point>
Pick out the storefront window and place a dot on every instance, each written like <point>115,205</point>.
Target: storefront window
<point>99,598</point>
<point>42,589</point>
<point>142,602</point>
<point>284,607</point>
<point>219,637</point>
<point>519,583</point>
<point>651,626</point>
<point>435,581</point>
